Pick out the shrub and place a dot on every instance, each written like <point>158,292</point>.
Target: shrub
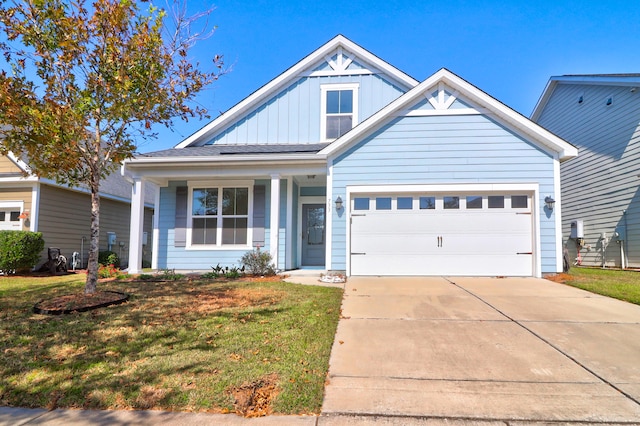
<point>220,271</point>
<point>19,250</point>
<point>106,258</point>
<point>170,275</point>
<point>107,271</point>
<point>258,262</point>
<point>146,277</point>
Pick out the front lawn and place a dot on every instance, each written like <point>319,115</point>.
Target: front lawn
<point>184,345</point>
<point>623,285</point>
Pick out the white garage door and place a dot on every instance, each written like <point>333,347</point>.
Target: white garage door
<point>489,234</point>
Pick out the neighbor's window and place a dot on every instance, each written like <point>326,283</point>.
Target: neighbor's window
<point>339,109</point>
<point>216,219</point>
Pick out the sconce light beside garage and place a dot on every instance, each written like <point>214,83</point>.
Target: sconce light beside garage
<point>338,203</point>
<point>550,202</point>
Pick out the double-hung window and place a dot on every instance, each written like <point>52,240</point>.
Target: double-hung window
<point>339,108</point>
<point>219,215</point>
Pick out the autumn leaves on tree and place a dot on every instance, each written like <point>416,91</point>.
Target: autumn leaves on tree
<point>84,82</point>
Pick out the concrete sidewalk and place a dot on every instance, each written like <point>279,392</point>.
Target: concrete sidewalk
<point>476,349</point>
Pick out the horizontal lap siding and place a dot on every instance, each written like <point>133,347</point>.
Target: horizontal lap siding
<point>602,182</point>
<point>65,218</point>
<point>293,115</point>
<point>443,149</point>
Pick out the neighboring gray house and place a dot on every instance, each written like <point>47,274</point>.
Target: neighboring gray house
<point>599,114</point>
<point>63,214</point>
<point>343,162</point>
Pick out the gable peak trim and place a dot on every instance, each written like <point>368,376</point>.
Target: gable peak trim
<point>486,104</point>
<point>340,43</point>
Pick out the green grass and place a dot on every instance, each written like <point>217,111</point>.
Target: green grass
<point>180,345</point>
<point>623,285</point>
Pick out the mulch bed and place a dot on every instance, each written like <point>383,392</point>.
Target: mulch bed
<point>79,302</point>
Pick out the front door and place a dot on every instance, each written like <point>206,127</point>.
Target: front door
<point>313,234</point>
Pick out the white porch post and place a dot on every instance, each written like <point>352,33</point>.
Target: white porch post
<point>275,219</point>
<point>291,233</point>
<point>136,226</point>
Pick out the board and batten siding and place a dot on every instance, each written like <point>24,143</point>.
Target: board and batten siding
<point>293,115</point>
<point>172,257</point>
<point>603,182</point>
<point>65,219</point>
<point>443,149</point>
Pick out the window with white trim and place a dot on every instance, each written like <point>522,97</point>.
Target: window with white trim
<point>339,109</point>
<point>219,215</point>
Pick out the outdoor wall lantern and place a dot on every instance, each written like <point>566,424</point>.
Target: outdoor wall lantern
<point>550,202</point>
<point>338,203</point>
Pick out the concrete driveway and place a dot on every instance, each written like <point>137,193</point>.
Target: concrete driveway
<point>481,349</point>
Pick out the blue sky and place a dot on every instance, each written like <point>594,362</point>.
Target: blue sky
<point>509,49</point>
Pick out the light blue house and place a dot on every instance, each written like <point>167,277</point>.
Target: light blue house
<point>600,114</point>
<point>345,163</point>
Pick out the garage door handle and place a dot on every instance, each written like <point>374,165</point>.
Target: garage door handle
<point>524,252</point>
<point>358,254</point>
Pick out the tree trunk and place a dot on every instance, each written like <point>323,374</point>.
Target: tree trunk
<point>92,266</point>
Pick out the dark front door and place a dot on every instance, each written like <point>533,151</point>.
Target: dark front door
<point>313,234</point>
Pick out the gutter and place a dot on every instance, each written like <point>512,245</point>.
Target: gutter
<point>227,160</point>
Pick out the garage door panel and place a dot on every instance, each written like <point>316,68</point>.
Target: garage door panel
<point>449,265</point>
<point>442,242</point>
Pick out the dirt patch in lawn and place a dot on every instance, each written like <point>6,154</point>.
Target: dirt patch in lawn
<point>234,297</point>
<point>254,399</point>
<point>79,302</point>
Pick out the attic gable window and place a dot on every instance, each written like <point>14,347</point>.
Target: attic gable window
<point>339,109</point>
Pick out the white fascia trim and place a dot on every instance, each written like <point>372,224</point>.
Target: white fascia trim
<point>467,90</point>
<point>544,98</point>
<point>162,176</point>
<point>217,160</point>
<point>19,180</point>
<point>286,77</point>
<point>21,164</point>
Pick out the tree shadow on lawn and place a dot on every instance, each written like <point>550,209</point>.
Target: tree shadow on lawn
<point>152,352</point>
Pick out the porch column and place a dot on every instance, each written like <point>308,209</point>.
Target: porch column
<point>136,226</point>
<point>275,219</point>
